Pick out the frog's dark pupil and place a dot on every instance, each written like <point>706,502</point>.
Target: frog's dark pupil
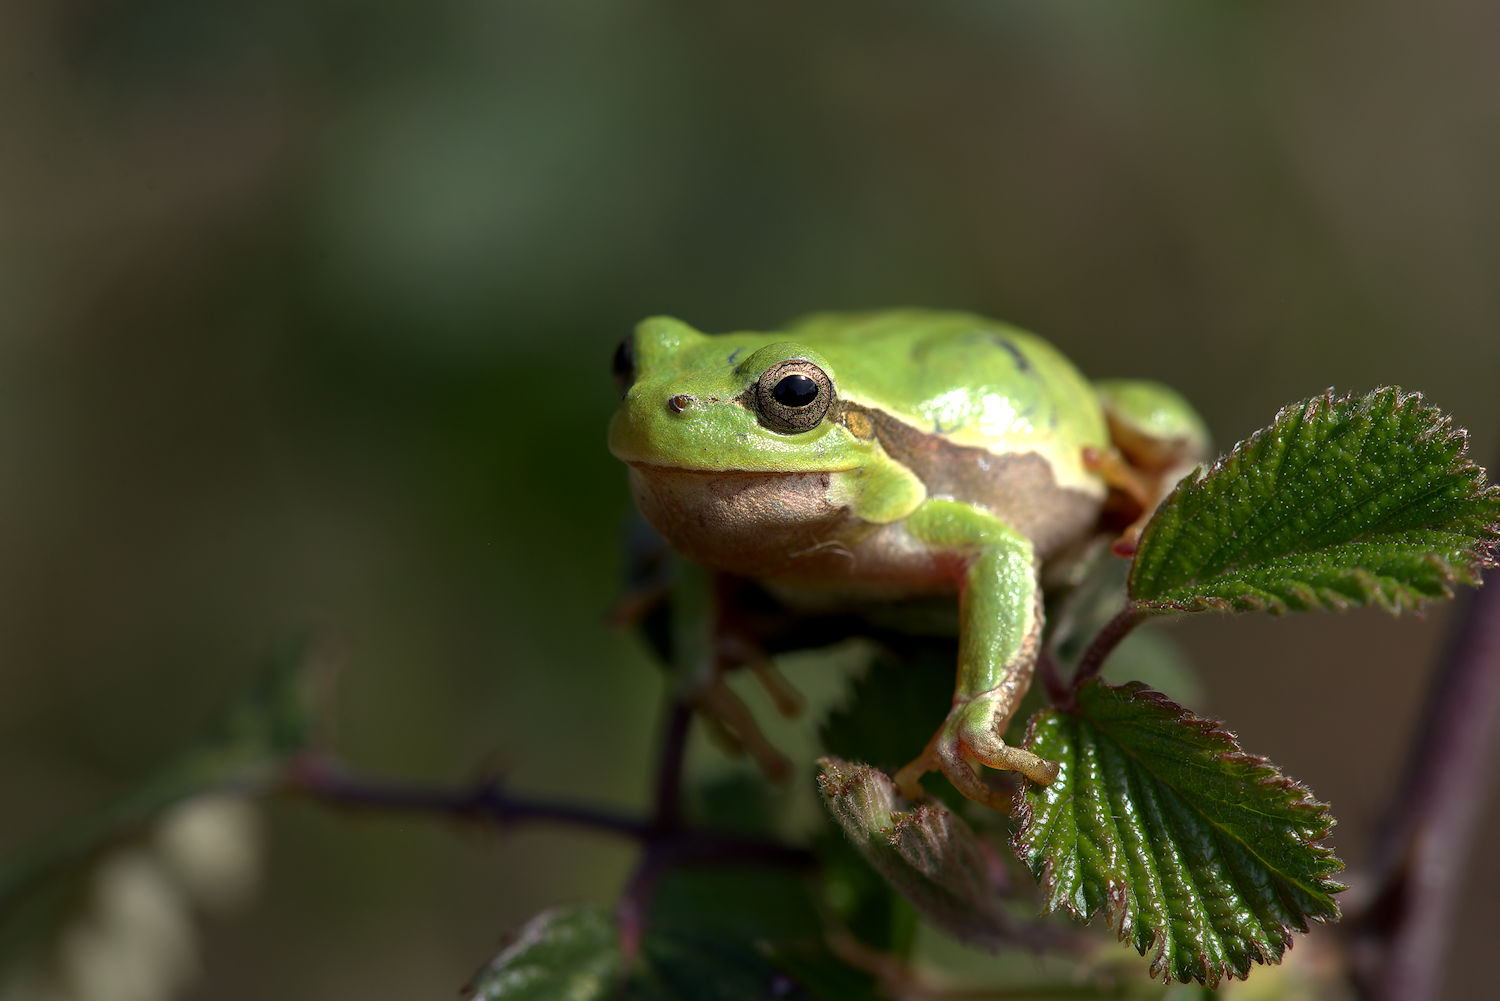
<point>795,391</point>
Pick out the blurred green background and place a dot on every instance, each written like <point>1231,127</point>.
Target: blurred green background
<point>308,309</point>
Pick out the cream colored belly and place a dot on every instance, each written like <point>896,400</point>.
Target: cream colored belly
<point>782,529</point>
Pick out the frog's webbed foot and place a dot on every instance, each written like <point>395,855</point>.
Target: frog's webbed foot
<point>969,738</point>
<point>787,700</point>
<point>733,725</point>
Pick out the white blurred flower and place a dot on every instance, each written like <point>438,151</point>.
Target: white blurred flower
<point>137,943</point>
<point>212,846</point>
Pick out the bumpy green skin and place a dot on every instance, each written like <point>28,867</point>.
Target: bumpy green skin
<point>948,374</point>
<point>954,459</point>
<point>1155,421</point>
<point>1158,411</point>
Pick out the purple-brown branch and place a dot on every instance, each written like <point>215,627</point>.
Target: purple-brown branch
<point>1401,938</point>
<point>664,839</point>
<point>1115,630</point>
<point>488,802</point>
<point>327,782</point>
<point>670,758</point>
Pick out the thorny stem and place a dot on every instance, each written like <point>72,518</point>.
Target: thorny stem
<point>664,840</point>
<point>1402,936</point>
<point>329,783</point>
<point>635,901</point>
<point>666,819</point>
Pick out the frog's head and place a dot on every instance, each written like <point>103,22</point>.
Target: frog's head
<point>733,403</point>
<point>735,443</point>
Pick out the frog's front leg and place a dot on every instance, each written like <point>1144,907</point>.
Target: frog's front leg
<point>1000,628</point>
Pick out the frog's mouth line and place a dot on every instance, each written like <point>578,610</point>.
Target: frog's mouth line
<point>656,469</point>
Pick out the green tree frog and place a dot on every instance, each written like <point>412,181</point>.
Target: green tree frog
<point>888,455</point>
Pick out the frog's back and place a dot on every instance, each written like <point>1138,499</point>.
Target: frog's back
<point>969,380</point>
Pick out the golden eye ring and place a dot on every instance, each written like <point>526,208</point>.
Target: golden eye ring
<point>793,396</point>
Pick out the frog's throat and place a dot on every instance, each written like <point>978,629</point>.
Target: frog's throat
<point>741,522</point>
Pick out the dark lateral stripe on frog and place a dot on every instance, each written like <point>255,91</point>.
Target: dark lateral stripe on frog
<point>1019,488</point>
<point>1023,364</point>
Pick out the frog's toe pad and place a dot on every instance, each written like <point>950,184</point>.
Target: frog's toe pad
<point>958,763</point>
<point>909,778</point>
<point>993,752</point>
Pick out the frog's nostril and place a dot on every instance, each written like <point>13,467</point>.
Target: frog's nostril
<point>679,403</point>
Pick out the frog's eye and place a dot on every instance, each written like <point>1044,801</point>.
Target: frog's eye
<point>623,367</point>
<point>793,396</point>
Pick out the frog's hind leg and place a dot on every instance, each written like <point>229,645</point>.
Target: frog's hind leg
<point>1140,494</point>
<point>1158,438</point>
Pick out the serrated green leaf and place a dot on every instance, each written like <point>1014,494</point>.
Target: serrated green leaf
<point>744,903</point>
<point>713,934</point>
<point>927,853</point>
<point>1201,854</point>
<point>740,933</point>
<point>697,965</point>
<point>1339,502</point>
<point>894,706</point>
<point>568,952</point>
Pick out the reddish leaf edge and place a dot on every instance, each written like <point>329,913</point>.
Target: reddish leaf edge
<point>1484,555</point>
<point>1117,896</point>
